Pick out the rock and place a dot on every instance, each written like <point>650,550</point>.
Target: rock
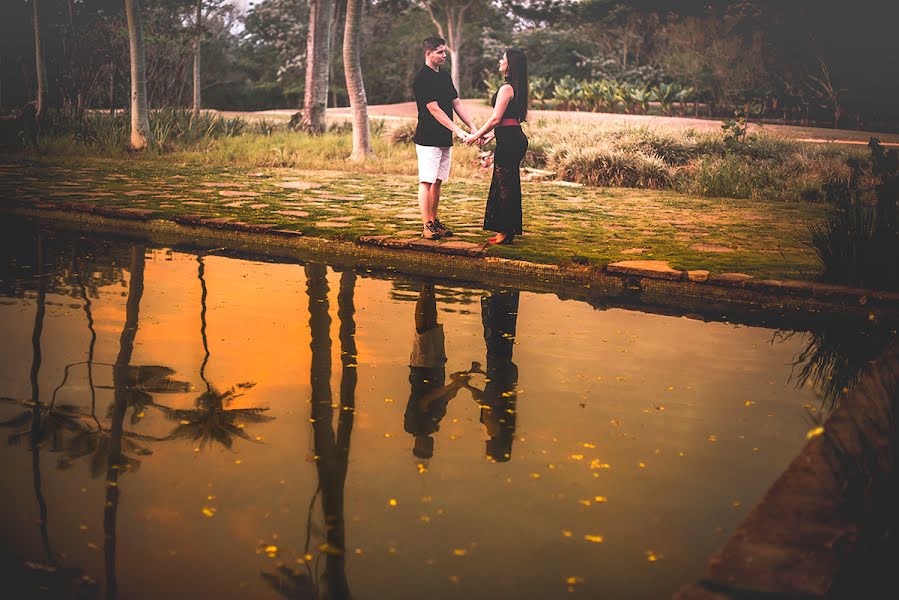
<point>697,276</point>
<point>654,269</point>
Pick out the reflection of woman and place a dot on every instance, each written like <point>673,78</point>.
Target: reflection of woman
<point>499,314</point>
<point>510,109</point>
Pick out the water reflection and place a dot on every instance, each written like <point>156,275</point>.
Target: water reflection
<point>610,389</point>
<point>835,357</point>
<point>499,313</point>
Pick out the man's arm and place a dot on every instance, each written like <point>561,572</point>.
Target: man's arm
<point>463,114</point>
<point>444,120</point>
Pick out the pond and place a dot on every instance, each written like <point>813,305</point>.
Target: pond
<point>197,423</point>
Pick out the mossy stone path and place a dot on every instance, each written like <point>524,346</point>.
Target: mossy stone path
<point>563,223</point>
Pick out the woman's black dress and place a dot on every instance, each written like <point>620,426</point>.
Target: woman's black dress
<point>503,213</point>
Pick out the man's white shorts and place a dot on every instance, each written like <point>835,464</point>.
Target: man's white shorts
<point>433,163</point>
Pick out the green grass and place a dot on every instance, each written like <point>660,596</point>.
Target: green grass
<point>562,224</point>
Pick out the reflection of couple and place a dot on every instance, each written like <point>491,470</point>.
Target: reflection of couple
<point>430,394</point>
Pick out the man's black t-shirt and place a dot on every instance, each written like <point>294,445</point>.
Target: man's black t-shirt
<point>431,85</point>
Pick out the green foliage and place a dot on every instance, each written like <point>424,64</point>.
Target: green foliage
<point>858,241</point>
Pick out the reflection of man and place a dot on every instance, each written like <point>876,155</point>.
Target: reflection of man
<point>429,394</point>
<point>499,315</point>
<point>437,99</point>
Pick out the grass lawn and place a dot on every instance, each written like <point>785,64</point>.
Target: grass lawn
<point>563,223</point>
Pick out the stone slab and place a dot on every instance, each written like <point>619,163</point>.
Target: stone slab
<point>654,269</point>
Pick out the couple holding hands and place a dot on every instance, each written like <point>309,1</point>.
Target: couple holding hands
<point>437,98</point>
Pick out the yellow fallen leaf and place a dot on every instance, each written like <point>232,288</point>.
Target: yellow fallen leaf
<point>392,502</point>
<point>749,403</point>
<point>574,579</point>
<point>600,499</point>
<point>460,552</point>
<point>535,475</point>
<point>814,432</point>
<point>594,538</point>
<point>577,457</point>
<point>271,551</point>
<point>566,533</point>
<point>712,437</point>
<point>585,502</point>
<point>651,556</point>
<point>208,511</point>
<point>589,445</point>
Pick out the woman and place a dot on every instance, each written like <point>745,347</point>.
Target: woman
<point>510,109</point>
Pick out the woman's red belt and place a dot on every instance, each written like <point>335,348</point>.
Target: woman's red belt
<point>509,123</point>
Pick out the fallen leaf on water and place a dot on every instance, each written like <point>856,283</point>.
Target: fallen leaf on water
<point>736,504</point>
<point>426,499</point>
<point>594,538</point>
<point>651,556</point>
<point>712,437</point>
<point>535,475</point>
<point>577,457</point>
<point>271,551</point>
<point>422,468</point>
<point>358,552</point>
<point>600,499</point>
<point>589,445</point>
<point>574,579</point>
<point>460,551</point>
<point>749,403</point>
<point>566,533</point>
<point>208,511</point>
<point>814,432</point>
<point>392,502</point>
<point>585,502</point>
<point>424,518</point>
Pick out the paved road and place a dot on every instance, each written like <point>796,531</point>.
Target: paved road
<point>480,110</point>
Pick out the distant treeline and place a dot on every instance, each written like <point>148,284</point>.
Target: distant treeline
<point>816,61</point>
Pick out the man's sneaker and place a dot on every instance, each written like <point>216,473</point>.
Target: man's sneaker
<point>442,228</point>
<point>430,231</point>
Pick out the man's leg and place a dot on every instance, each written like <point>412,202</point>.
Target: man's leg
<point>424,202</point>
<point>435,198</point>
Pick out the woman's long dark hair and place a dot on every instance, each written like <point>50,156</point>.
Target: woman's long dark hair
<point>517,76</point>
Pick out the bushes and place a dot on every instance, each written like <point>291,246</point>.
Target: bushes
<point>609,166</point>
<point>858,241</point>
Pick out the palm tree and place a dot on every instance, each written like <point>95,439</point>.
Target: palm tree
<point>198,39</point>
<point>140,120</point>
<point>39,65</point>
<point>355,87</point>
<point>318,51</point>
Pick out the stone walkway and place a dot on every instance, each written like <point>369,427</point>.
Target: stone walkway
<point>564,223</point>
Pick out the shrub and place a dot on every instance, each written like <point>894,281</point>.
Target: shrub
<point>858,241</point>
<point>403,133</point>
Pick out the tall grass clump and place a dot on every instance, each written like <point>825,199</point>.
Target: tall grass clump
<point>858,241</point>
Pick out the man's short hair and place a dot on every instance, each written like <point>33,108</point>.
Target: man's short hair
<point>432,43</point>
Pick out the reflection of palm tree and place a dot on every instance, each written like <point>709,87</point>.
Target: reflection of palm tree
<point>120,378</point>
<point>331,449</point>
<point>210,421</point>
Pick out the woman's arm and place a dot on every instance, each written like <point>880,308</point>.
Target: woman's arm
<point>503,97</point>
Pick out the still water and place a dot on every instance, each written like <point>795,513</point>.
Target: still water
<point>186,425</point>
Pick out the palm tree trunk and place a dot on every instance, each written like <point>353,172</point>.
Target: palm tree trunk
<point>140,121</point>
<point>39,65</point>
<point>352,68</point>
<point>120,382</point>
<point>318,48</point>
<point>199,33</point>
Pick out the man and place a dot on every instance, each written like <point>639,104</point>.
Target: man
<point>437,98</point>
